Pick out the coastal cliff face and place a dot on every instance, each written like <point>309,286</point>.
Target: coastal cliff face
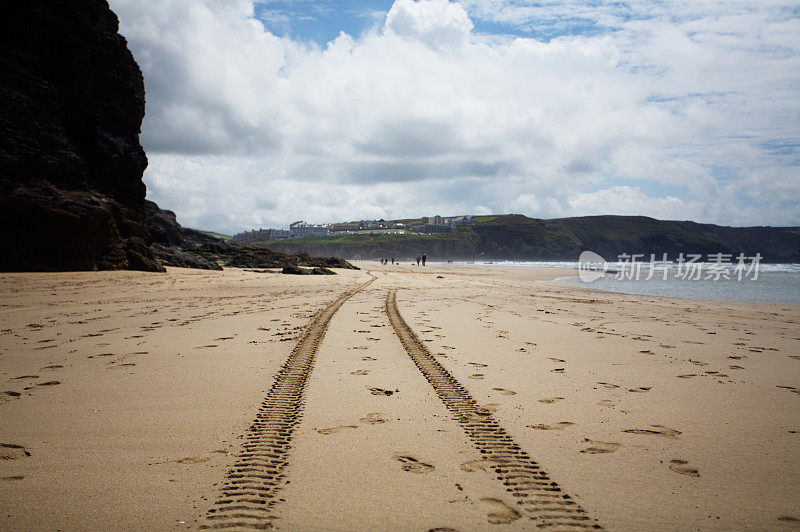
<point>71,106</point>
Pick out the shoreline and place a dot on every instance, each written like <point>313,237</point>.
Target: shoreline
<point>569,273</point>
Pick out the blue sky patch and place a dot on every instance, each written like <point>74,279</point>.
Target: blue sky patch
<point>320,21</point>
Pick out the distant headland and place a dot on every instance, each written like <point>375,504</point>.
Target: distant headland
<point>518,237</point>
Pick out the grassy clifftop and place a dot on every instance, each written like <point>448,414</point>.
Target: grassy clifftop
<point>517,237</point>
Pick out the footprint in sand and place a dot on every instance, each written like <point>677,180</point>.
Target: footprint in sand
<point>788,519</point>
<point>557,370</point>
<point>796,357</point>
<point>476,376</point>
<point>360,372</point>
<point>561,360</point>
<point>790,388</point>
<point>368,359</point>
<point>608,385</point>
<point>503,391</point>
<point>687,375</point>
<point>607,402</point>
<point>640,389</point>
<point>487,409</point>
<point>646,352</point>
<point>500,513</point>
<point>657,430</point>
<point>334,430</point>
<point>485,464</point>
<point>412,465</point>
<point>373,418</point>
<point>478,364</point>
<point>24,377</point>
<point>555,426</point>
<point>680,466</point>
<point>736,367</point>
<point>53,367</point>
<point>12,394</point>
<point>12,451</point>
<point>549,400</point>
<point>48,383</point>
<point>698,363</point>
<point>599,447</point>
<point>381,391</point>
<point>20,477</point>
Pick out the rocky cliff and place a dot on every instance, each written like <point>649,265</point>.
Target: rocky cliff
<point>71,106</point>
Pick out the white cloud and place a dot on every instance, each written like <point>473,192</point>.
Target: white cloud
<point>697,103</point>
<point>437,23</point>
<point>629,201</point>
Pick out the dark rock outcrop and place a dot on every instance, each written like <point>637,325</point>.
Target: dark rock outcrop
<point>244,256</point>
<point>183,247</point>
<point>181,258</point>
<point>173,244</point>
<point>165,229</point>
<point>71,106</point>
<point>296,270</point>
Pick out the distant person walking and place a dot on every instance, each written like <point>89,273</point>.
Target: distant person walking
<point>418,259</point>
<point>424,258</point>
<point>392,261</point>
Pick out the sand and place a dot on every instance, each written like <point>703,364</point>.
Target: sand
<point>498,400</point>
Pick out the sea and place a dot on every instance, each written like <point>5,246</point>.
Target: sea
<point>766,283</point>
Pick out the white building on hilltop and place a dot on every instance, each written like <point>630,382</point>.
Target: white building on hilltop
<point>303,230</point>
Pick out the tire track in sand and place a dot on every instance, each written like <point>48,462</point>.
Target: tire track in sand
<point>249,491</point>
<point>540,498</point>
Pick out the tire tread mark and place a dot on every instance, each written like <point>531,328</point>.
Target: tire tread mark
<point>249,492</point>
<point>541,498</point>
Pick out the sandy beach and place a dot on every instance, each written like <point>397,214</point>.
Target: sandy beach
<point>394,397</point>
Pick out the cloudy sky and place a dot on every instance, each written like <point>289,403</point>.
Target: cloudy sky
<point>264,112</point>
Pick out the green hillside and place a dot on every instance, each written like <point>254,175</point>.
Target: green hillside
<point>217,235</point>
<point>517,237</point>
